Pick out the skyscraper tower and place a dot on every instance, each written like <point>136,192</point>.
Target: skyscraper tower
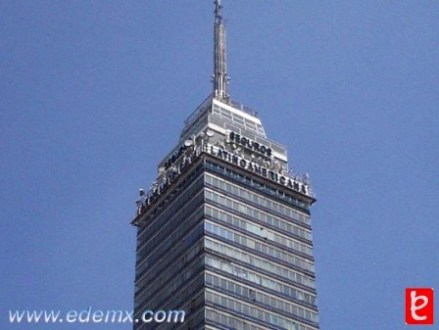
<point>224,233</point>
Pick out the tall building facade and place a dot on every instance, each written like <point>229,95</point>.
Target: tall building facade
<point>224,233</point>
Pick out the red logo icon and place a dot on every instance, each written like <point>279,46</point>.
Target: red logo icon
<point>419,306</point>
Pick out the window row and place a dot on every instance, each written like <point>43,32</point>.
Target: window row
<point>148,256</point>
<point>173,207</point>
<point>261,231</point>
<point>260,247</point>
<point>261,280</point>
<point>231,322</point>
<point>252,212</point>
<point>238,254</point>
<point>178,299</point>
<point>238,120</point>
<point>257,199</point>
<point>169,281</point>
<point>189,301</point>
<point>258,185</point>
<point>175,259</point>
<point>169,228</point>
<point>266,299</point>
<point>254,312</point>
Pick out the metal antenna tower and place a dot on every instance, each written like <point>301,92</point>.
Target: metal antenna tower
<point>220,77</point>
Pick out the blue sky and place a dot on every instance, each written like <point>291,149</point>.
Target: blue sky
<point>94,93</point>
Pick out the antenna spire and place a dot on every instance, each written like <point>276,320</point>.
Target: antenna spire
<point>220,77</point>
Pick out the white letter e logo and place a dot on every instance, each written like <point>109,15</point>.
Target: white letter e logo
<point>415,307</point>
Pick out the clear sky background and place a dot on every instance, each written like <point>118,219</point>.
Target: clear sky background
<point>94,93</point>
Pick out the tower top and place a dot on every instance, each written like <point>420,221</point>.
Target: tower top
<point>220,77</point>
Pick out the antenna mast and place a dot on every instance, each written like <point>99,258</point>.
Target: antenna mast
<point>220,77</point>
